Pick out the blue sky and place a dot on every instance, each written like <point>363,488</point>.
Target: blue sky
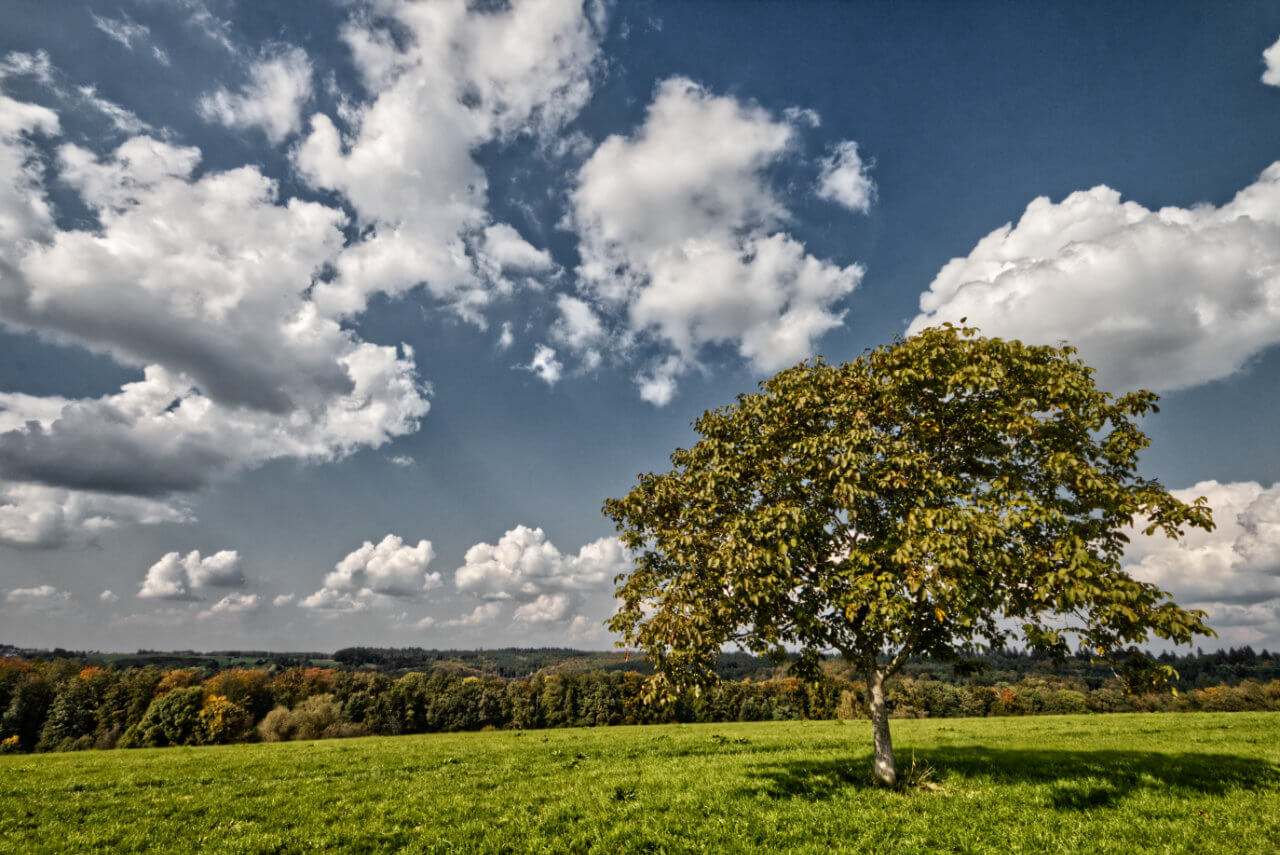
<point>329,323</point>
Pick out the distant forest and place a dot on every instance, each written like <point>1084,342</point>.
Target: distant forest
<point>52,700</point>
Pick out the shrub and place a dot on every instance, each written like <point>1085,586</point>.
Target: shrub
<point>276,726</point>
<point>317,717</point>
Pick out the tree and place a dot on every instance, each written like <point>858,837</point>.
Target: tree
<point>172,719</point>
<point>937,496</point>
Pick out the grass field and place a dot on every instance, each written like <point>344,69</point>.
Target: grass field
<point>1108,783</point>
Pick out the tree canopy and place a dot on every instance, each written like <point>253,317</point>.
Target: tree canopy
<point>937,496</point>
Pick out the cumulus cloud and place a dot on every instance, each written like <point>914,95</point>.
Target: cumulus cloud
<point>37,598</point>
<point>480,615</point>
<point>33,515</point>
<point>681,245</point>
<point>1238,563</point>
<point>231,604</point>
<point>845,179</point>
<point>583,628</point>
<point>282,600</point>
<point>504,246</point>
<point>445,78</point>
<point>24,212</point>
<point>279,87</point>
<point>1164,299</point>
<point>181,577</point>
<point>391,568</point>
<point>528,568</point>
<point>109,596</point>
<point>545,365</point>
<point>547,608</point>
<point>202,282</point>
<point>1271,58</point>
<point>580,329</point>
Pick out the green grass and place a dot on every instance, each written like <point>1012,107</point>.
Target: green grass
<point>1114,783</point>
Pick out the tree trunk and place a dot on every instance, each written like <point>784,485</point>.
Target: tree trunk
<point>885,772</point>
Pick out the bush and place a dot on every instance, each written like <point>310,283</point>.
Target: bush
<point>317,717</point>
<point>277,726</point>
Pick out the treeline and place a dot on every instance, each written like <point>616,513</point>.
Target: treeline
<point>518,663</point>
<point>1195,670</point>
<point>62,704</point>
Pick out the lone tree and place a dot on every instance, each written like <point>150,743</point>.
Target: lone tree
<point>938,496</point>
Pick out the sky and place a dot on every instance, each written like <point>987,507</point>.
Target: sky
<point>335,322</point>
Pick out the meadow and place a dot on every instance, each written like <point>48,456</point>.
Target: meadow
<point>1124,783</point>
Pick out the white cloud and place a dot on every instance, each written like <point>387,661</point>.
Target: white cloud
<point>167,580</point>
<point>547,608</point>
<point>1237,563</point>
<point>202,283</point>
<point>449,80</point>
<point>680,239</point>
<point>33,515</point>
<point>425,623</point>
<point>180,577</point>
<point>506,248</point>
<point>480,615</point>
<point>231,604</point>
<point>545,365</point>
<point>282,600</point>
<point>41,597</point>
<point>24,212</point>
<point>845,179</point>
<point>401,460</point>
<point>390,568</point>
<point>524,565</point>
<point>35,65</point>
<point>124,120</point>
<point>209,25</point>
<point>1271,57</point>
<point>278,88</point>
<point>109,596</point>
<point>506,337</point>
<point>579,328</point>
<point>583,628</point>
<point>1164,299</point>
<point>658,385</point>
<point>123,29</point>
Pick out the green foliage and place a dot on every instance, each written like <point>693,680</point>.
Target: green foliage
<point>919,500</point>
<point>29,701</point>
<point>1203,783</point>
<point>172,719</point>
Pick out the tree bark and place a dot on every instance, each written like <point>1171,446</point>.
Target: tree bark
<point>885,771</point>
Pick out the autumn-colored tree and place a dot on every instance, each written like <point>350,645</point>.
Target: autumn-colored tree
<point>936,496</point>
<point>179,678</point>
<point>248,688</point>
<point>222,720</point>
